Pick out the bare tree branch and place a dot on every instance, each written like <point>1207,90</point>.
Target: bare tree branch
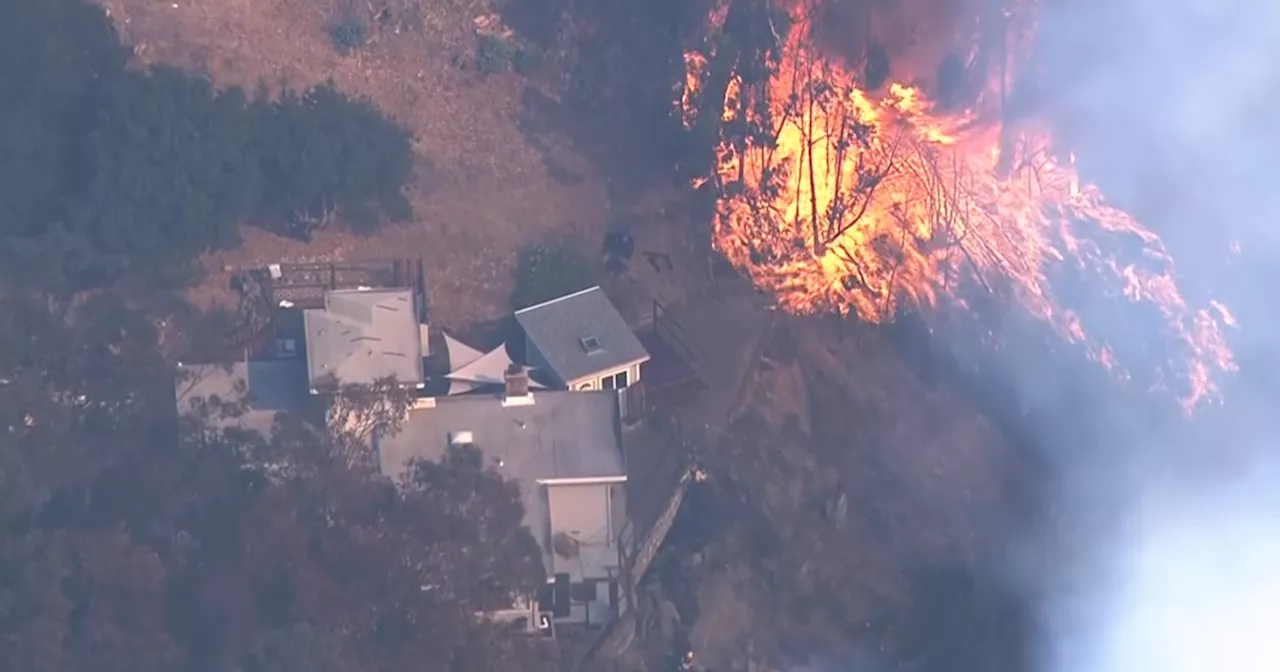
<point>359,414</point>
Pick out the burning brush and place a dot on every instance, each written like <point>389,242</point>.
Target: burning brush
<point>837,197</point>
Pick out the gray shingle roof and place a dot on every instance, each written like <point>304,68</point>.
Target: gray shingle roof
<point>362,335</point>
<point>581,334</point>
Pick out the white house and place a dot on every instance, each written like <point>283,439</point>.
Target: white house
<point>582,341</point>
<point>564,450</point>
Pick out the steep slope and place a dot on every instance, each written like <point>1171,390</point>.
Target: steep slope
<point>848,494</point>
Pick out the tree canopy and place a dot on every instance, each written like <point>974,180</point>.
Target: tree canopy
<point>545,271</point>
<point>128,545</point>
<point>107,170</point>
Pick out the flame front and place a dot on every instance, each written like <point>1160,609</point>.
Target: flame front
<point>840,199</point>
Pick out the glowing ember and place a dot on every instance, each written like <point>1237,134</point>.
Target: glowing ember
<point>841,199</point>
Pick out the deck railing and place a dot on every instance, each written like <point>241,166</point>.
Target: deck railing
<point>672,473</point>
<point>672,333</point>
<point>251,338</point>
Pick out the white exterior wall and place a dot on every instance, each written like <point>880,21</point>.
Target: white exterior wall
<point>592,382</point>
<point>585,513</point>
<point>593,514</point>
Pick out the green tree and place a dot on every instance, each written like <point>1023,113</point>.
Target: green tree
<point>107,171</point>
<point>57,60</point>
<point>545,271</point>
<point>300,648</point>
<point>471,506</point>
<point>126,546</point>
<point>356,413</point>
<point>170,171</point>
<point>327,157</point>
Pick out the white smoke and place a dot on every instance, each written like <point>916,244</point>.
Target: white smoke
<point>1188,581</point>
<point>1176,109</point>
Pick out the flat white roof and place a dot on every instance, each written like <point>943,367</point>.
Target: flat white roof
<point>562,435</point>
<point>363,335</point>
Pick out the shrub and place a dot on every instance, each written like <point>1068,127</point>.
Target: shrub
<point>526,59</point>
<point>348,35</point>
<point>493,54</point>
<point>328,156</point>
<point>545,271</point>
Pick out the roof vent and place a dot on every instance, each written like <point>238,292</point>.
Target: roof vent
<point>462,438</point>
<point>590,344</point>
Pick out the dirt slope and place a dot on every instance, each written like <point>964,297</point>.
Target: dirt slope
<point>483,188</point>
<point>845,481</point>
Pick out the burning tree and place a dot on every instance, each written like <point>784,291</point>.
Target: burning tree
<point>837,197</point>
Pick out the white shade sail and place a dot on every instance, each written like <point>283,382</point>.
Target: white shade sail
<point>471,369</point>
<point>460,354</point>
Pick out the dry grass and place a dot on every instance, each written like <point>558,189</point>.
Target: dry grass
<point>925,475</point>
<point>482,190</point>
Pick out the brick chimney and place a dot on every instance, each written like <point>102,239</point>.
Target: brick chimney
<point>516,390</point>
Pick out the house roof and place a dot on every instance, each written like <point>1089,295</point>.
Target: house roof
<point>561,435</point>
<point>360,336</point>
<point>272,386</point>
<point>581,334</point>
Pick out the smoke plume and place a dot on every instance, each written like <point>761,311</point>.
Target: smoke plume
<point>1172,106</point>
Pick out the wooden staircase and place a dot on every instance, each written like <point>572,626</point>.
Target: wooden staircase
<point>648,548</point>
<point>640,547</point>
<point>672,476</point>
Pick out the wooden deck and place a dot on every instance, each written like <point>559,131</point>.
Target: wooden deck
<point>670,378</point>
<point>665,366</point>
<point>304,286</point>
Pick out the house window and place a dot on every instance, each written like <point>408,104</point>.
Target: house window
<point>587,385</point>
<point>615,382</point>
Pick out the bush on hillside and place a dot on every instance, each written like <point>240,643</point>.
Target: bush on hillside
<point>545,271</point>
<point>326,155</point>
<point>493,54</point>
<point>110,171</point>
<point>348,35</point>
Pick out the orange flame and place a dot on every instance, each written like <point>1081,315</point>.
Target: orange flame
<point>847,200</point>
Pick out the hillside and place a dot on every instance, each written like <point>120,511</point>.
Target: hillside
<point>848,501</point>
<point>486,183</point>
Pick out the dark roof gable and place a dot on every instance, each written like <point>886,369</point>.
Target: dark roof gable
<point>581,334</point>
